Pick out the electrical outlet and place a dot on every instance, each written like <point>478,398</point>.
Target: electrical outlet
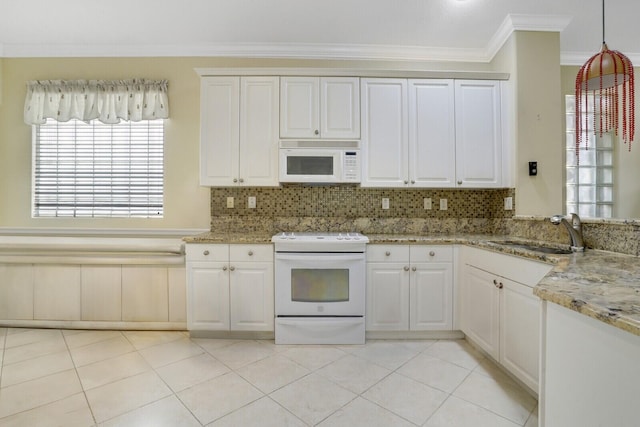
<point>230,202</point>
<point>427,203</point>
<point>385,203</point>
<point>251,202</point>
<point>508,203</point>
<point>443,204</point>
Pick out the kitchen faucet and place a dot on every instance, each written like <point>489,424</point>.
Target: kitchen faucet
<point>574,228</point>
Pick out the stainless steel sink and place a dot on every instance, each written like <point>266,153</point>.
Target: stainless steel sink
<point>535,248</point>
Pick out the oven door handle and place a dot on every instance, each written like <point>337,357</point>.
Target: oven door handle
<point>304,256</point>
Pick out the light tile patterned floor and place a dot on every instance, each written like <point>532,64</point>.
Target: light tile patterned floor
<point>111,378</point>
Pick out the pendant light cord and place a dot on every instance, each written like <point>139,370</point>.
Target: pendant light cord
<point>603,40</point>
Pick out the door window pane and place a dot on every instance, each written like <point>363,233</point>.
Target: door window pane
<point>319,285</point>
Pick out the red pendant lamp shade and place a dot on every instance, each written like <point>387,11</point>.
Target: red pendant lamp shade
<point>605,84</point>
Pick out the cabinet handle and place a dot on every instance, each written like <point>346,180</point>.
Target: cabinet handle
<point>224,268</point>
<point>250,253</point>
<point>432,253</point>
<point>316,132</point>
<point>387,253</point>
<point>406,268</point>
<point>205,253</point>
<point>232,268</point>
<point>241,179</point>
<point>235,179</point>
<point>413,268</point>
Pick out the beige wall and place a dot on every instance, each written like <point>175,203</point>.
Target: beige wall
<point>627,170</point>
<point>186,203</point>
<point>539,123</point>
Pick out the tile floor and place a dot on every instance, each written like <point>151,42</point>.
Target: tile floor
<point>111,378</point>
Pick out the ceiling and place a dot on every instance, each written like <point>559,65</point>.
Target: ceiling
<point>410,30</point>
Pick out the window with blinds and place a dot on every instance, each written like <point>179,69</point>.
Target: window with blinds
<point>589,184</point>
<point>98,170</point>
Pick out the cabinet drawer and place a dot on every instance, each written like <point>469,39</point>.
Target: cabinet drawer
<point>431,253</point>
<point>207,252</point>
<point>387,253</point>
<point>247,253</point>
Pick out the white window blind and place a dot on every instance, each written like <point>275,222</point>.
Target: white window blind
<point>98,170</point>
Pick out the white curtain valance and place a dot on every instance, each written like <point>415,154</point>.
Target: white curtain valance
<point>106,101</point>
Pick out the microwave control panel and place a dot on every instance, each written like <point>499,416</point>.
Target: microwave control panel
<point>351,166</point>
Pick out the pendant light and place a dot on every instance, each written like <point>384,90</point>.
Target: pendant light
<point>606,79</point>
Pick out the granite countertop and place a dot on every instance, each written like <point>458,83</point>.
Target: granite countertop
<point>602,285</point>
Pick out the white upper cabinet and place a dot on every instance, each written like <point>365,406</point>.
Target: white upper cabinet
<point>478,134</point>
<point>432,137</point>
<point>385,139</point>
<point>431,133</point>
<point>320,107</point>
<point>239,131</point>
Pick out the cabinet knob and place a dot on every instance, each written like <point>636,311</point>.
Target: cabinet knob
<point>250,253</point>
<point>406,182</point>
<point>500,285</point>
<point>387,253</point>
<point>224,268</point>
<point>406,268</point>
<point>413,182</point>
<point>241,179</point>
<point>232,268</point>
<point>235,179</point>
<point>432,253</point>
<point>414,268</point>
<point>459,182</point>
<point>205,253</point>
<point>316,132</point>
<point>495,282</point>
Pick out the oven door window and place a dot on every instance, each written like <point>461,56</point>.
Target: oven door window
<point>319,285</point>
<point>311,165</point>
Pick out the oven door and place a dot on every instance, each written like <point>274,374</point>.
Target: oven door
<point>320,284</point>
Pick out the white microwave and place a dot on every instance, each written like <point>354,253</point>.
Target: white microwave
<point>320,161</point>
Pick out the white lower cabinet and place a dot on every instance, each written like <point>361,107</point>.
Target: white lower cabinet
<point>498,310</point>
<point>230,287</point>
<point>409,287</point>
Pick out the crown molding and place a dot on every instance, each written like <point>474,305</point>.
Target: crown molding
<point>579,58</point>
<point>514,22</point>
<point>521,22</point>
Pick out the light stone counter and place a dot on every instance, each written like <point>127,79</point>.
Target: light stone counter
<point>602,285</point>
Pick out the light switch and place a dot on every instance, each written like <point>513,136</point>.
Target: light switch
<point>251,202</point>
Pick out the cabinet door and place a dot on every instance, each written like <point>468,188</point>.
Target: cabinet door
<point>384,133</point>
<point>431,133</point>
<point>479,309</point>
<point>340,107</point>
<point>259,131</point>
<point>431,297</point>
<point>219,130</point>
<point>57,292</point>
<point>520,331</point>
<point>387,307</point>
<point>299,107</point>
<point>251,296</point>
<point>101,292</point>
<point>208,296</point>
<point>145,294</point>
<point>478,133</point>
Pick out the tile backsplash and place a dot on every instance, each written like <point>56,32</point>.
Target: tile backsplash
<point>352,208</point>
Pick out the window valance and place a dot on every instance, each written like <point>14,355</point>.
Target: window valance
<point>106,101</point>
